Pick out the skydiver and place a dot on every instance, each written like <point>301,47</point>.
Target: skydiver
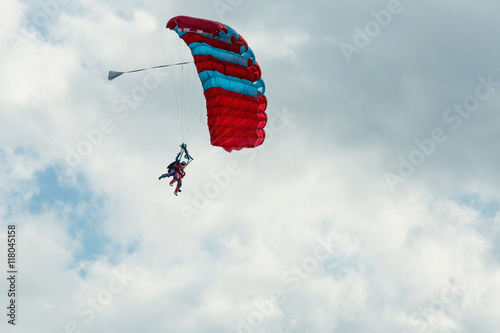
<point>178,172</point>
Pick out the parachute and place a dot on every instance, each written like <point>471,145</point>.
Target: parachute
<point>231,81</point>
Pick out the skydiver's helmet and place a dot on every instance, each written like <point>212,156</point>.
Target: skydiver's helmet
<point>183,164</point>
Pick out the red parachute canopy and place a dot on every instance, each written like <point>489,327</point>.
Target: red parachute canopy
<point>231,80</point>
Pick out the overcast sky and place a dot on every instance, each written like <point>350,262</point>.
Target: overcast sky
<point>372,206</point>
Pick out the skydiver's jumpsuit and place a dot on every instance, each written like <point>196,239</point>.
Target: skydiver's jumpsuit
<point>178,173</point>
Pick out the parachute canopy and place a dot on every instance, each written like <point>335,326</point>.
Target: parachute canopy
<point>231,80</point>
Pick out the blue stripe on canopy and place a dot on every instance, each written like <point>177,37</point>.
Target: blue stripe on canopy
<point>233,84</point>
<point>232,57</point>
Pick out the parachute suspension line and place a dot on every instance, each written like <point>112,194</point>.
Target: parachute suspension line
<point>201,120</point>
<point>197,105</point>
<point>183,108</point>
<point>194,87</point>
<point>201,133</point>
<point>188,95</point>
<point>198,114</point>
<point>183,104</point>
<point>175,91</point>
<point>188,99</point>
<point>193,108</point>
<point>184,98</point>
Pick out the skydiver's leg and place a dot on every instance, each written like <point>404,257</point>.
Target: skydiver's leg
<point>174,179</point>
<point>165,175</point>
<point>179,184</point>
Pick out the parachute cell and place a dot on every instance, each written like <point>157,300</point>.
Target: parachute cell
<point>231,80</point>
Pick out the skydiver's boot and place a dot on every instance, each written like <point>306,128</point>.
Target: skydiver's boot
<point>176,194</point>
